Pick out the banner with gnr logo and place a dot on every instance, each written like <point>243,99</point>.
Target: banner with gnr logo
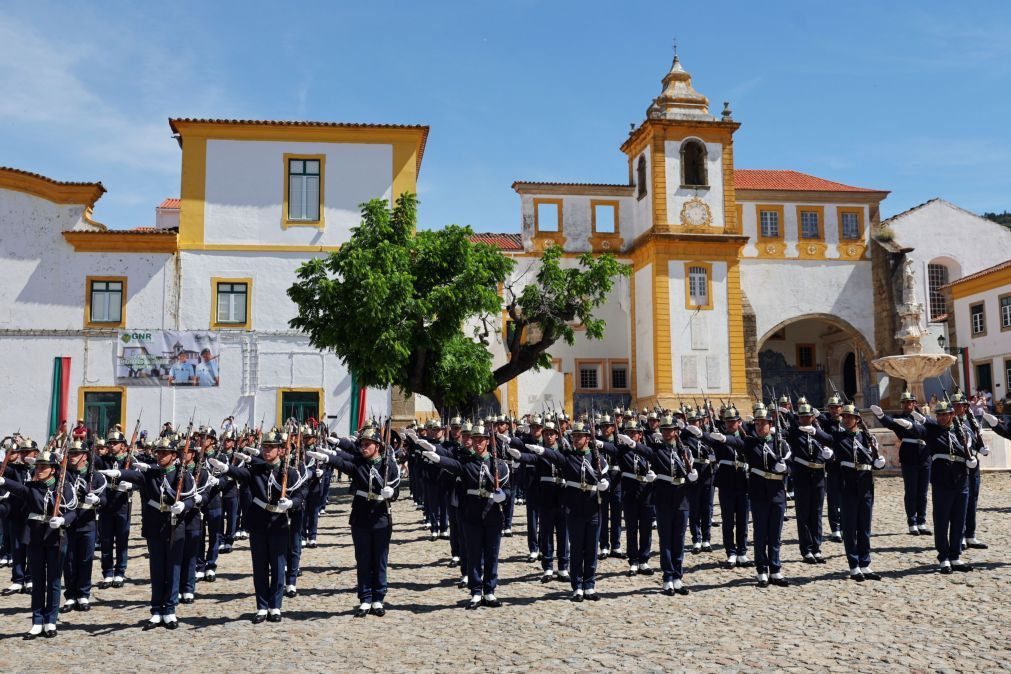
<point>167,358</point>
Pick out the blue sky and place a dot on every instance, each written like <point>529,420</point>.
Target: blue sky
<point>911,97</point>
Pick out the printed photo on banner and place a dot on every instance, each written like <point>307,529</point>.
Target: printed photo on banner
<point>168,358</point>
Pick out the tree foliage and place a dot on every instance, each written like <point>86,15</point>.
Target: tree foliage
<point>1000,218</point>
<point>394,305</point>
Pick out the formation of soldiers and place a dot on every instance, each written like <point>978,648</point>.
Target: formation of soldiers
<point>583,482</point>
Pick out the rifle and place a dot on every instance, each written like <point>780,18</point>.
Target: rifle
<point>130,452</point>
<point>841,397</point>
<point>595,453</point>
<point>58,496</point>
<point>285,464</point>
<point>182,468</point>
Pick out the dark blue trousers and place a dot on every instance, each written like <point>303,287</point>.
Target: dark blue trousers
<point>372,552</point>
<point>915,480</point>
<point>734,520</point>
<point>114,532</point>
<point>214,520</point>
<point>857,511</point>
<point>45,560</point>
<point>809,500</point>
<point>19,553</point>
<point>436,507</point>
<point>671,526</point>
<point>245,503</point>
<point>638,530</point>
<point>610,519</point>
<point>313,504</point>
<point>78,565</point>
<point>324,488</point>
<point>192,543</point>
<point>950,503</point>
<point>165,561</point>
<point>455,528</point>
<point>584,534</point>
<point>483,541</point>
<point>294,562</point>
<point>833,489</point>
<point>269,552</point>
<point>533,520</point>
<point>230,513</point>
<point>700,506</point>
<point>508,505</point>
<point>767,519</point>
<point>970,509</point>
<point>552,537</point>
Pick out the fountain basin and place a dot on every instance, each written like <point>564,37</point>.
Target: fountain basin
<point>915,368</point>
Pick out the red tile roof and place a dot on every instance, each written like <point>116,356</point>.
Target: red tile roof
<point>506,242</point>
<point>170,202</point>
<point>793,181</point>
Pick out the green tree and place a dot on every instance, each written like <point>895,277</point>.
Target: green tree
<point>415,309</point>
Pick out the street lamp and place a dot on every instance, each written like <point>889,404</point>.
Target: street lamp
<point>941,341</point>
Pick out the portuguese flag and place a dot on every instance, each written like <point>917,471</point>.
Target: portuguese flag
<point>58,399</point>
<point>357,416</point>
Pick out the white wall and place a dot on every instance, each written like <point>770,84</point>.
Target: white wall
<point>245,190</point>
<point>543,389</point>
<point>643,208</point>
<point>676,197</point>
<point>790,226</point>
<point>700,343</point>
<point>994,347</point>
<point>645,382</point>
<point>577,223</point>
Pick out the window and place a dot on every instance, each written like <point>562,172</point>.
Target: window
<point>590,375</point>
<point>806,357</point>
<point>300,404</point>
<point>640,177</point>
<point>810,225</point>
<point>604,217</point>
<point>937,277</point>
<point>1007,377</point>
<point>102,407</point>
<point>698,294</point>
<point>977,319</point>
<point>548,215</point>
<point>770,222</point>
<point>231,306</point>
<point>851,224</point>
<point>303,190</point>
<point>1004,302</point>
<point>104,303</point>
<point>693,164</point>
<point>619,375</point>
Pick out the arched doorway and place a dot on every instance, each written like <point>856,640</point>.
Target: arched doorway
<point>812,354</point>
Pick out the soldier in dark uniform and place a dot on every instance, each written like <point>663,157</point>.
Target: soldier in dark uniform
<point>636,499</point>
<point>45,536</point>
<point>1001,429</point>
<point>296,515</point>
<point>974,436</point>
<point>831,422</point>
<point>732,482</point>
<point>229,491</point>
<point>810,448</point>
<point>90,490</point>
<point>167,492</point>
<point>610,501</point>
<point>114,515</point>
<point>702,491</point>
<point>211,514</point>
<point>914,460</point>
<point>19,469</point>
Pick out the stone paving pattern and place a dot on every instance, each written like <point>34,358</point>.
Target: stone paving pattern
<point>915,619</point>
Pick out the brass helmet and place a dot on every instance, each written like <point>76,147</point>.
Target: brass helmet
<point>99,442</point>
<point>165,445</point>
<point>606,420</point>
<point>802,400</point>
<point>580,428</point>
<point>804,409</point>
<point>368,434</point>
<point>907,395</point>
<point>943,407</point>
<point>631,425</point>
<point>850,411</point>
<point>731,414</point>
<point>77,446</point>
<point>696,414</point>
<point>48,459</point>
<point>27,445</point>
<point>274,438</point>
<point>761,412</point>
<point>784,399</point>
<point>467,428</point>
<point>456,421</point>
<point>115,437</point>
<point>537,420</point>
<point>958,398</point>
<point>478,431</point>
<point>432,423</point>
<point>834,401</point>
<point>668,421</point>
<point>550,427</point>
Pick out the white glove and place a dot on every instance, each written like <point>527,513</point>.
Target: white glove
<point>680,424</point>
<point>197,499</point>
<point>971,463</point>
<point>806,429</point>
<point>56,522</point>
<point>349,438</point>
<point>212,481</point>
<point>29,460</point>
<point>918,417</point>
<point>827,453</point>
<point>177,508</point>
<point>124,486</point>
<point>718,437</point>
<point>513,452</point>
<point>141,466</point>
<point>693,475</point>
<point>598,444</point>
<point>319,456</point>
<point>503,437</point>
<point>525,428</point>
<point>499,496</point>
<point>536,449</point>
<point>241,457</point>
<point>650,476</point>
<point>219,466</point>
<point>283,505</point>
<point>334,440</point>
<point>878,412</point>
<point>91,499</point>
<point>386,492</point>
<point>410,432</point>
<point>783,410</point>
<point>780,467</point>
<point>111,472</point>
<point>748,418</point>
<point>425,445</point>
<point>431,456</point>
<point>990,419</point>
<point>879,462</point>
<point>695,430</point>
<point>658,437</point>
<point>984,450</point>
<point>2,481</point>
<point>252,451</point>
<point>625,440</point>
<point>603,485</point>
<point>772,430</point>
<point>905,423</point>
<point>319,473</point>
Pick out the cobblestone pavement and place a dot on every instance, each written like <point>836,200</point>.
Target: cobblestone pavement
<point>915,619</point>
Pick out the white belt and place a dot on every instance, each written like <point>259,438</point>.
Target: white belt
<point>479,492</point>
<point>948,457</point>
<point>672,480</point>
<point>767,476</point>
<point>269,507</point>
<point>553,480</point>
<point>855,466</point>
<point>581,486</point>
<point>913,441</point>
<point>737,464</point>
<point>633,476</point>
<point>86,506</point>
<point>37,517</point>
<point>702,460</point>
<point>808,464</point>
<point>163,507</point>
<point>371,497</point>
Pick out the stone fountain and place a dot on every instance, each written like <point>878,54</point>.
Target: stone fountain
<point>913,366</point>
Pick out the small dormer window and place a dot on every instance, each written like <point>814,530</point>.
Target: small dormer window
<point>640,177</point>
<point>693,164</point>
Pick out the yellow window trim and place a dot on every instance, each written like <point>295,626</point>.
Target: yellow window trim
<point>860,223</point>
<point>285,221</point>
<point>709,286</point>
<point>758,221</point>
<point>593,215</point>
<point>81,390</point>
<point>611,362</point>
<point>280,400</point>
<point>820,210</point>
<point>537,223</point>
<point>602,379</point>
<point>88,323</point>
<point>215,280</point>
